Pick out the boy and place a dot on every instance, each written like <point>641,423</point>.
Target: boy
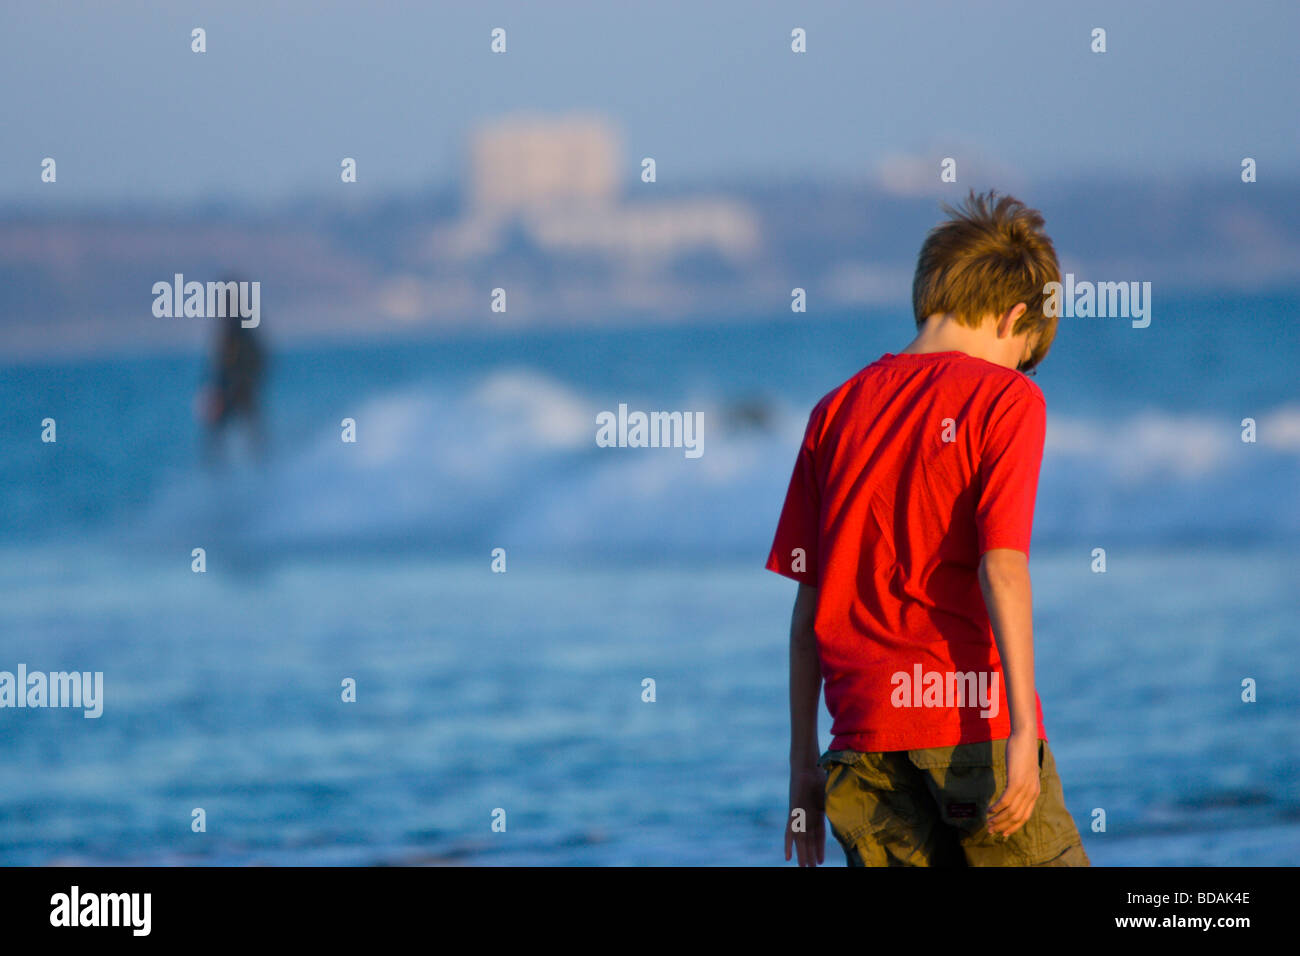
<point>907,525</point>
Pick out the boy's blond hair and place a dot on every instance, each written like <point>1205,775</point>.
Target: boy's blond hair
<point>990,255</point>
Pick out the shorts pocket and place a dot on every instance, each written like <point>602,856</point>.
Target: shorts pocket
<point>966,779</point>
<point>1053,829</point>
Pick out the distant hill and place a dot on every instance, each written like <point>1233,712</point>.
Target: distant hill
<point>81,282</point>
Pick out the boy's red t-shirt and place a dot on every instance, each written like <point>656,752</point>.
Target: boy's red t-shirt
<point>908,473</point>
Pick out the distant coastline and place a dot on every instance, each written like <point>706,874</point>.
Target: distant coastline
<point>79,283</point>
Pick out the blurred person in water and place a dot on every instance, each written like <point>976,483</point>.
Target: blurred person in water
<point>233,390</point>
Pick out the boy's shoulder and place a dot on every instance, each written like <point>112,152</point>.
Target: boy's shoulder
<point>1005,385</point>
<point>1004,388</point>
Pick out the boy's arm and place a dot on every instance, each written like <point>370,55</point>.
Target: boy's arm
<point>806,832</point>
<point>805,680</point>
<point>1004,579</point>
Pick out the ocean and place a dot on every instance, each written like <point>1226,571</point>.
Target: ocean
<point>517,697</point>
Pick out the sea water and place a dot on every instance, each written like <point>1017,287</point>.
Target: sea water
<point>524,691</point>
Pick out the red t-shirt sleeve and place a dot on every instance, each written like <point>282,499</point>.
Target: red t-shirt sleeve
<point>1008,472</point>
<point>794,549</point>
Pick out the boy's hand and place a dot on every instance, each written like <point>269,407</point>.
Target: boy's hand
<point>1013,808</point>
<point>808,793</point>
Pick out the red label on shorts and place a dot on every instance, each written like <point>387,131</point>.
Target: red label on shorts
<point>962,811</point>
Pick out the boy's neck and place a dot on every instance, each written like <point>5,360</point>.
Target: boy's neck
<point>943,333</point>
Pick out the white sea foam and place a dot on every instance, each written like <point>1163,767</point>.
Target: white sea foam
<point>512,460</point>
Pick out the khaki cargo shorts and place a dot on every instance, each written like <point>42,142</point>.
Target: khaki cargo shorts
<point>927,808</point>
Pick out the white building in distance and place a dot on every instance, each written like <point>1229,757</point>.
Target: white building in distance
<point>560,180</point>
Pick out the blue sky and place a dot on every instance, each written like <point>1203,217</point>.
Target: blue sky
<point>710,89</point>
